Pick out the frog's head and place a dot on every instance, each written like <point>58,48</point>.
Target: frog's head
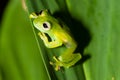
<point>42,21</point>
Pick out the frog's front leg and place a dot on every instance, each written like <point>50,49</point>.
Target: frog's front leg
<point>50,44</point>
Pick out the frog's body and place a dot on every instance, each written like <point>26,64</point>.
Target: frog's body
<point>59,35</point>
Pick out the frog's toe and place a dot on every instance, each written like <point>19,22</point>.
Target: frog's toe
<point>57,68</point>
<point>51,63</point>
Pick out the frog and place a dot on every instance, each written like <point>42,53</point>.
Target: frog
<point>60,35</point>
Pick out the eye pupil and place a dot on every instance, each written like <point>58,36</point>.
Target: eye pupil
<point>45,25</point>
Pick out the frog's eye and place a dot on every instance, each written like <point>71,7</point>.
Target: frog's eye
<point>46,26</point>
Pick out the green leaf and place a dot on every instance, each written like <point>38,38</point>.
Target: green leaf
<point>55,8</point>
<point>20,57</point>
<point>101,18</point>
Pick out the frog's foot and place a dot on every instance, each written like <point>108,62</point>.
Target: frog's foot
<point>57,63</point>
<point>42,36</point>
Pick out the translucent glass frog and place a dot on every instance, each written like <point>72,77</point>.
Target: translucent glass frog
<point>60,35</point>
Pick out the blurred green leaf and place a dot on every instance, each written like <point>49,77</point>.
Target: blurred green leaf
<point>20,58</point>
<point>102,18</point>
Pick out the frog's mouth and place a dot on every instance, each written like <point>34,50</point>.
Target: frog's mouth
<point>49,38</point>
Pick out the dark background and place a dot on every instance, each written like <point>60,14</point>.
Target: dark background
<point>3,4</point>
